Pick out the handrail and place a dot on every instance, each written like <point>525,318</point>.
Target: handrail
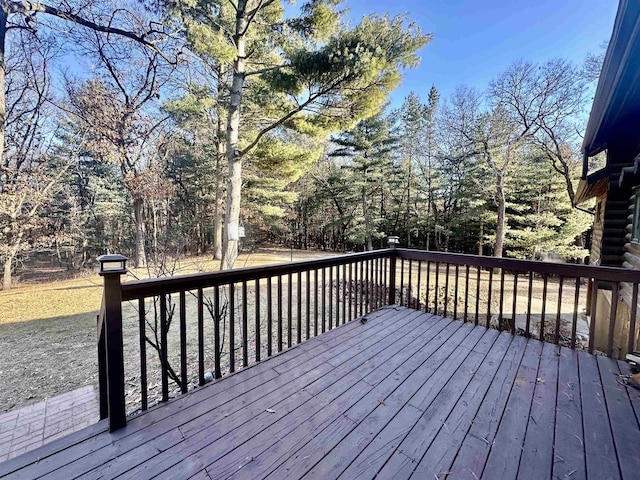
<point>608,274</point>
<point>161,286</point>
<point>255,312</point>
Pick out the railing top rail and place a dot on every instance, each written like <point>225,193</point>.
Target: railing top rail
<point>159,286</point>
<point>607,274</point>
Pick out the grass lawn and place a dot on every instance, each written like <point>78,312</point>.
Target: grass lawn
<point>48,327</point>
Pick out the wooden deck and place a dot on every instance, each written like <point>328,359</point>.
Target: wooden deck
<point>405,395</point>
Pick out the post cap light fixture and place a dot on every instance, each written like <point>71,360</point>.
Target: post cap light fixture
<point>393,241</point>
<point>115,263</point>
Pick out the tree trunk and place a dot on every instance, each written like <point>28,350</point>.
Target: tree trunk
<point>367,220</point>
<point>481,238</point>
<point>218,218</point>
<point>500,227</point>
<point>141,256</point>
<point>234,155</point>
<point>7,280</point>
<point>3,100</point>
<point>220,155</point>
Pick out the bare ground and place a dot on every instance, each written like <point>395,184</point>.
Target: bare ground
<point>48,332</point>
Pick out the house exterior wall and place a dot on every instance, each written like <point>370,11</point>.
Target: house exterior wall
<point>631,260</point>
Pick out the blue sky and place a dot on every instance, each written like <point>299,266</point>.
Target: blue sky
<point>474,40</point>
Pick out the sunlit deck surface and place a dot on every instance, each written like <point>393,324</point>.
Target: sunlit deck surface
<point>405,395</point>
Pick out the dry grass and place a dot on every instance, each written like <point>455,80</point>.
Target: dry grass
<point>47,297</point>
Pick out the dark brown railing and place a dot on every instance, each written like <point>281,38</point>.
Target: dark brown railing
<point>231,319</point>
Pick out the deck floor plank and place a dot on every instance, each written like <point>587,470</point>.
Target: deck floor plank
<point>626,436</point>
<point>406,395</point>
<point>375,414</point>
<point>274,444</point>
<point>215,437</point>
<point>192,416</point>
<point>537,452</point>
<point>506,450</point>
<point>598,441</point>
<point>413,436</point>
<point>438,459</point>
<point>569,461</point>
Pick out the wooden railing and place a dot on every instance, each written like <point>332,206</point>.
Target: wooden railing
<point>231,319</point>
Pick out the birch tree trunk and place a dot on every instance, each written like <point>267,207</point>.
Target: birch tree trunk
<point>500,226</point>
<point>218,217</point>
<point>234,155</point>
<point>141,254</point>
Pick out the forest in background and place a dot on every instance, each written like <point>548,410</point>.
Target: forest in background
<point>166,128</point>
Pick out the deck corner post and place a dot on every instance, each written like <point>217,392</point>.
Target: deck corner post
<point>393,241</point>
<point>111,268</point>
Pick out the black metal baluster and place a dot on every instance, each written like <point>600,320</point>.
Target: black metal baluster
<point>527,328</point>
<point>232,327</point>
<point>289,311</point>
<point>201,380</point>
<point>437,287</point>
<point>446,289</point>
<point>269,317</point>
<point>455,293</point>
<point>245,327</point>
<point>142,317</point>
<point>501,303</point>
<point>512,324</point>
<point>426,291</point>
<point>163,348</point>
<point>183,342</point>
<point>489,297</point>
<point>401,281</point>
<point>330,298</point>
<point>308,306</point>
<point>466,294</point>
<point>217,337</point>
<point>361,285</point>
<point>545,283</point>
<point>257,319</point>
<point>315,302</point>
<point>410,288</point>
<point>478,278</point>
<point>299,309</point>
<point>324,300</point>
<point>279,302</point>
<point>337,295</point>
<point>559,314</point>
<point>350,291</point>
<point>417,307</point>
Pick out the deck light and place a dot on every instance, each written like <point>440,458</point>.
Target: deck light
<point>393,241</point>
<point>112,264</point>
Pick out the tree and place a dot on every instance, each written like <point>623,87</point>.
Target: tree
<point>546,100</point>
<point>21,17</point>
<point>312,74</point>
<point>115,109</point>
<point>28,171</point>
<point>367,147</point>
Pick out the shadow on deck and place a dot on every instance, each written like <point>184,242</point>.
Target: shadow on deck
<point>406,394</point>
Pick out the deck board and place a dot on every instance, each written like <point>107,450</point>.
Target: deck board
<point>569,460</point>
<point>406,395</point>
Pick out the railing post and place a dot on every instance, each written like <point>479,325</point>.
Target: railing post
<point>393,241</point>
<point>111,268</point>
